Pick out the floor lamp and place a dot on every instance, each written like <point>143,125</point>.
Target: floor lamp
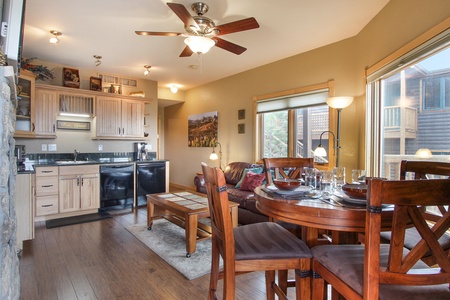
<point>337,103</point>
<point>213,155</point>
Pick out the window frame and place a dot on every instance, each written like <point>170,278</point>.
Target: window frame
<point>257,128</point>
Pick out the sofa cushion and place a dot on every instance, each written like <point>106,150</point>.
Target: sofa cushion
<point>251,181</point>
<point>257,170</point>
<point>233,171</point>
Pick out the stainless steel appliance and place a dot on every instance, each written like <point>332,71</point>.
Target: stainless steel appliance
<point>141,151</point>
<point>116,186</point>
<point>150,179</point>
<point>20,154</point>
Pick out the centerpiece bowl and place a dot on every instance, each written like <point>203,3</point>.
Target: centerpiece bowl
<point>358,191</point>
<point>287,184</point>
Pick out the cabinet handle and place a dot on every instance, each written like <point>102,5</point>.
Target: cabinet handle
<point>119,130</point>
<point>47,205</point>
<point>123,130</point>
<point>78,181</point>
<point>34,127</point>
<point>82,181</point>
<point>46,186</point>
<point>47,171</point>
<point>54,128</point>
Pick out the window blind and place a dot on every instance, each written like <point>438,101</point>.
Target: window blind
<point>317,97</point>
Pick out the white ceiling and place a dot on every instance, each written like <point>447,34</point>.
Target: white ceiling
<point>107,28</point>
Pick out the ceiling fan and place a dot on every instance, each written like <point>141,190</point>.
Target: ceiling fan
<point>203,30</point>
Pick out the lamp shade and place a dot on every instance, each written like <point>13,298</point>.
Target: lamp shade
<point>339,102</point>
<point>320,151</point>
<point>424,152</point>
<point>199,44</point>
<point>213,156</point>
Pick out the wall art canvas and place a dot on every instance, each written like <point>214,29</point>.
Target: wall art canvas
<point>202,129</point>
<point>71,78</point>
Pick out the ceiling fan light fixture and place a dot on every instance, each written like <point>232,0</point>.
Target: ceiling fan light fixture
<point>147,70</point>
<point>54,39</point>
<point>199,44</point>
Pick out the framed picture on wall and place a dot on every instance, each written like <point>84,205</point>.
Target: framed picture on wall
<point>202,129</point>
<point>95,83</point>
<point>71,78</point>
<point>241,114</point>
<point>241,128</point>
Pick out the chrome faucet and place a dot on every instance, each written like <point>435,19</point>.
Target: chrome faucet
<point>75,154</point>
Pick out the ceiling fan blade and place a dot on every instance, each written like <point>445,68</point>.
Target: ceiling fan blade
<point>236,49</point>
<point>183,14</point>
<point>245,24</point>
<point>158,33</point>
<point>186,52</point>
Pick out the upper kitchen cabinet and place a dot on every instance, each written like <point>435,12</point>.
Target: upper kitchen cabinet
<point>46,112</point>
<point>118,118</point>
<point>25,111</point>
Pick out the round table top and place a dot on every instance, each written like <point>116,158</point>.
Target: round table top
<point>315,213</point>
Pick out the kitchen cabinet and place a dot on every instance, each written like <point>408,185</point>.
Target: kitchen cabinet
<point>46,191</point>
<point>23,203</point>
<point>25,110</point>
<point>46,111</point>
<point>79,188</point>
<point>119,118</point>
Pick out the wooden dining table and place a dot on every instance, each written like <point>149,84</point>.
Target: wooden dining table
<point>344,222</point>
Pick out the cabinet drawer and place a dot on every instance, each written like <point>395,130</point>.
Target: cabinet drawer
<point>46,171</point>
<point>46,186</point>
<point>47,205</point>
<point>77,170</point>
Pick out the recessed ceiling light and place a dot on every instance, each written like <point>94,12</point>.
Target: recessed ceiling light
<point>194,67</point>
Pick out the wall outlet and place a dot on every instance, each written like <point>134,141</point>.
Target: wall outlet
<point>100,147</point>
<point>44,147</point>
<point>51,147</point>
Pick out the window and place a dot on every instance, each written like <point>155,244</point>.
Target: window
<point>408,108</point>
<point>290,124</point>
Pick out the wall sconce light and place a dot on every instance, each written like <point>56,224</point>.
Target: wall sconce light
<point>54,39</point>
<point>173,88</point>
<point>338,103</point>
<point>214,156</point>
<point>147,70</point>
<point>97,62</point>
<point>199,44</point>
<point>424,153</point>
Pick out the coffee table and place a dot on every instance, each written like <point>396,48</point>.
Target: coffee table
<point>184,209</point>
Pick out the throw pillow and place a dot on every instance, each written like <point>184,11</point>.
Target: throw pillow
<point>257,170</point>
<point>251,181</point>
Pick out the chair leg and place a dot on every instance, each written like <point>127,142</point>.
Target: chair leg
<point>270,281</point>
<point>303,280</point>
<point>214,276</point>
<point>318,288</point>
<point>282,280</point>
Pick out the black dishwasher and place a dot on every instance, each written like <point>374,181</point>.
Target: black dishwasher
<point>116,186</point>
<point>150,179</point>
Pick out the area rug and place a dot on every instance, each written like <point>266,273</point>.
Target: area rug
<point>77,220</point>
<point>168,241</point>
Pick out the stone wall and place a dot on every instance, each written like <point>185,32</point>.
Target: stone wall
<point>10,279</point>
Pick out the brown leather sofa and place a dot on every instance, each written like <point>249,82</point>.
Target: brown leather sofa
<point>247,211</point>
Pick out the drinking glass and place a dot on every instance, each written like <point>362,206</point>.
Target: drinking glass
<point>311,179</point>
<point>339,177</point>
<point>359,176</point>
<point>326,184</point>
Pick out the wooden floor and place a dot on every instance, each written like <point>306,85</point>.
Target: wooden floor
<point>102,260</point>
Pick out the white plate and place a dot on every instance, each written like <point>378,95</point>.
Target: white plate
<point>300,189</point>
<point>347,199</point>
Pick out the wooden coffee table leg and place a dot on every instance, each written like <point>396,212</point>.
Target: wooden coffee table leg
<point>191,233</point>
<point>150,211</point>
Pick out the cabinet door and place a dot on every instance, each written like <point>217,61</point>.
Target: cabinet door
<point>90,194</point>
<point>133,118</point>
<point>108,121</point>
<point>46,111</point>
<point>25,111</point>
<point>69,193</point>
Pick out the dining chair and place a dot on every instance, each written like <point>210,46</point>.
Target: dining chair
<point>422,170</point>
<point>389,271</point>
<point>286,167</point>
<point>262,246</point>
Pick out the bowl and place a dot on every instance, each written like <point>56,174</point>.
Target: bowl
<point>358,191</point>
<point>287,184</point>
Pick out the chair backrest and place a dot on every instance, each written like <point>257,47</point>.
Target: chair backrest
<point>219,208</point>
<point>286,167</point>
<point>408,196</point>
<point>426,170</point>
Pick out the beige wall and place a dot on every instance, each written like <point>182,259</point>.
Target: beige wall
<point>398,23</point>
<point>67,141</point>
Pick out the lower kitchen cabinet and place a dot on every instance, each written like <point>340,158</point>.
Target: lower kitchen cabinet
<point>46,191</point>
<point>23,203</point>
<point>78,188</point>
